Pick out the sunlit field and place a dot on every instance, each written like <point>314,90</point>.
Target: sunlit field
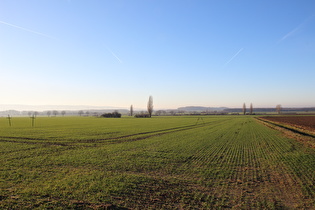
<point>158,163</point>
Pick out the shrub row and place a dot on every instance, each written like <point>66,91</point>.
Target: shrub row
<point>111,115</point>
<point>142,115</point>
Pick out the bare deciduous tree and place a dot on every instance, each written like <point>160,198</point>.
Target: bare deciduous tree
<point>251,109</point>
<point>80,112</point>
<point>29,113</point>
<point>55,112</point>
<point>9,118</point>
<point>63,113</point>
<point>150,106</point>
<point>48,113</point>
<point>278,108</point>
<point>159,112</point>
<point>131,110</point>
<point>244,108</point>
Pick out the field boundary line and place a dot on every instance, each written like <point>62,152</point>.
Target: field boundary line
<point>307,140</point>
<point>295,130</point>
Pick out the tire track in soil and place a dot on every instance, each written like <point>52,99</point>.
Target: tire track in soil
<point>28,142</point>
<point>111,140</point>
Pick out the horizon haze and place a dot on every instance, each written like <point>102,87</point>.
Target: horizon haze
<point>42,108</point>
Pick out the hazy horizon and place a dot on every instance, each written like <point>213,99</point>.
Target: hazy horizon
<point>183,53</point>
<point>21,107</point>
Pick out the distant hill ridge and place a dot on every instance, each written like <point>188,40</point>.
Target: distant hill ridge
<point>302,109</point>
<point>226,109</point>
<point>200,108</point>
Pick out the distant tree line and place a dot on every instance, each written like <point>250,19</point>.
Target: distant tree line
<point>278,109</point>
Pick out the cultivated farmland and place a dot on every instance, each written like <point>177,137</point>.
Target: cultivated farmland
<point>159,163</point>
<point>303,122</point>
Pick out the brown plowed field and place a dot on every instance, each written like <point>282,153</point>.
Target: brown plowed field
<point>304,122</point>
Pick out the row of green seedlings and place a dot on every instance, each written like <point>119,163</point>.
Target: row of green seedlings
<point>265,145</point>
<point>240,152</point>
<point>33,117</point>
<point>299,170</point>
<point>233,158</point>
<point>231,153</point>
<point>219,154</point>
<point>295,162</point>
<point>233,164</point>
<point>244,156</point>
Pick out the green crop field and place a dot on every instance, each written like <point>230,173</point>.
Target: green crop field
<point>157,163</point>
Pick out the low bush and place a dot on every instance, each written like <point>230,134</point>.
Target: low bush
<point>142,116</point>
<point>111,115</point>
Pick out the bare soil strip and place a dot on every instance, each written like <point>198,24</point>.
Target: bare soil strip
<point>304,124</point>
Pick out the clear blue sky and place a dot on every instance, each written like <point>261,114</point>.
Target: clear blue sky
<point>182,52</point>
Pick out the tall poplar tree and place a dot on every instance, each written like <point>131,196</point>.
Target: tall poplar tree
<point>150,106</point>
<point>131,110</point>
<point>244,108</point>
